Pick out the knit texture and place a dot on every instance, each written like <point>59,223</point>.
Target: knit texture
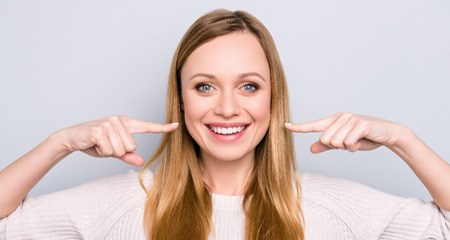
<point>113,208</point>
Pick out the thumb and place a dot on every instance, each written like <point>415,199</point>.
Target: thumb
<point>318,147</point>
<point>133,159</point>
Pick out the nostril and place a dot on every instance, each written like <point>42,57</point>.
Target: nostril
<point>227,106</point>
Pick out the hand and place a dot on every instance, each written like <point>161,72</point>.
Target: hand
<point>110,137</point>
<point>350,132</point>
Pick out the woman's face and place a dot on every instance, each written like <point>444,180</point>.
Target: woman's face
<point>226,96</point>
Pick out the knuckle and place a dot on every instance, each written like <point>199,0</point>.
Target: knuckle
<point>93,140</point>
<point>120,153</point>
<point>363,123</point>
<point>348,143</point>
<point>339,114</point>
<point>106,125</point>
<point>353,120</point>
<point>336,143</point>
<point>352,148</point>
<point>122,117</point>
<point>96,133</point>
<point>131,147</point>
<point>108,152</point>
<point>345,114</point>
<point>348,115</point>
<point>112,118</point>
<point>102,154</point>
<point>324,139</point>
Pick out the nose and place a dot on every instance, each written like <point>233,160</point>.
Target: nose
<point>227,105</point>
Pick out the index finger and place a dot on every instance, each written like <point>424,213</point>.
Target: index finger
<point>313,126</point>
<point>139,126</point>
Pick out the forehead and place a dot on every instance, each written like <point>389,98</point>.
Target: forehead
<point>227,56</point>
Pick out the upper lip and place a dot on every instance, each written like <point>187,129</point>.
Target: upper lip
<point>227,124</point>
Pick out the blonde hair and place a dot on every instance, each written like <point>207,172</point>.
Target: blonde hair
<point>178,202</point>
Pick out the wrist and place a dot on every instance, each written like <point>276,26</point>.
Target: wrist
<point>405,144</point>
<point>58,146</point>
<point>402,139</point>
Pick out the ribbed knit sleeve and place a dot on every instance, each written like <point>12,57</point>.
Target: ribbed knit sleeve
<point>108,208</point>
<point>341,209</point>
<point>415,218</point>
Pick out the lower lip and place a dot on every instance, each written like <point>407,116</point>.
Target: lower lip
<point>228,137</point>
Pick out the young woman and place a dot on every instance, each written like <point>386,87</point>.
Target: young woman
<point>228,167</point>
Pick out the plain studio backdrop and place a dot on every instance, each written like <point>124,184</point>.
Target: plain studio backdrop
<point>65,62</point>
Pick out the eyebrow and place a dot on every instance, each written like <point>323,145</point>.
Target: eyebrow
<point>242,75</point>
<point>202,75</point>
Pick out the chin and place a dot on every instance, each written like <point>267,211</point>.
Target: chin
<point>227,154</point>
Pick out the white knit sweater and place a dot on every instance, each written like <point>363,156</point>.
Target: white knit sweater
<point>112,208</point>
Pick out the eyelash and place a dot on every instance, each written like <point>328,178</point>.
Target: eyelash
<point>199,87</point>
<point>253,85</point>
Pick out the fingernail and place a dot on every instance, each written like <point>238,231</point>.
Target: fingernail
<point>287,124</point>
<point>175,124</point>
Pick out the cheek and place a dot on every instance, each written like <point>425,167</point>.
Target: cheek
<point>260,109</point>
<point>194,110</point>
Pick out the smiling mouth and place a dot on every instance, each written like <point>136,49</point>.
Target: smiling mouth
<point>227,130</point>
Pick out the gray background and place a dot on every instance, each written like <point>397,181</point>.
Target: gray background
<point>64,62</point>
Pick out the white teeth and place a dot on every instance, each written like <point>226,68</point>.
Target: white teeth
<point>227,131</point>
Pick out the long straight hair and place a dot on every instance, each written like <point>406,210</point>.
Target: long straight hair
<point>178,202</point>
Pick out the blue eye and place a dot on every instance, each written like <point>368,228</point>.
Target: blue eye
<point>203,87</point>
<point>250,88</point>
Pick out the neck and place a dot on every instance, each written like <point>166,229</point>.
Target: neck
<point>227,177</point>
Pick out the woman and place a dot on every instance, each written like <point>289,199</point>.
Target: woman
<point>228,165</point>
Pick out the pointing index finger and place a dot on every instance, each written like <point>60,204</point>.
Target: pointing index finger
<point>313,126</point>
<point>139,126</point>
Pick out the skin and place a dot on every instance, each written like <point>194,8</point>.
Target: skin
<point>226,82</point>
<point>227,161</point>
